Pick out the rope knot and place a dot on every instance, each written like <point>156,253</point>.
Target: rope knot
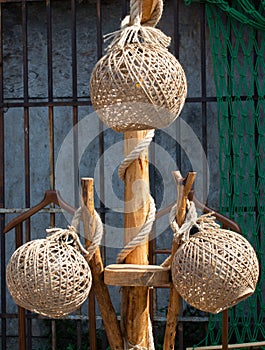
<point>182,233</point>
<point>133,31</point>
<point>203,222</point>
<point>67,236</point>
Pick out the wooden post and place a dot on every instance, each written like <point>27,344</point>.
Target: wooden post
<point>148,9</point>
<point>108,314</point>
<point>184,186</point>
<point>135,300</point>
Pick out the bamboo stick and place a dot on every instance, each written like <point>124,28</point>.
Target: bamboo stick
<point>100,289</point>
<point>135,301</point>
<point>184,186</point>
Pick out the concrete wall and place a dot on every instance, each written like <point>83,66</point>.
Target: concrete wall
<point>187,130</point>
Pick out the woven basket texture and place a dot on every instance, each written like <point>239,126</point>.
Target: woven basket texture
<point>215,270</point>
<point>48,277</point>
<point>140,86</point>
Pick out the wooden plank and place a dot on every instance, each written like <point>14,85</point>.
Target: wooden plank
<point>135,300</point>
<point>136,275</point>
<point>230,346</point>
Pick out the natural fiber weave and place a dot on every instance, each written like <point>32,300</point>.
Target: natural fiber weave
<point>215,269</point>
<point>140,86</point>
<point>49,276</point>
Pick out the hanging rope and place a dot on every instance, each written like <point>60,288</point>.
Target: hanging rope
<point>142,236</point>
<point>67,236</point>
<point>203,222</point>
<point>133,31</point>
<point>181,234</point>
<point>70,235</point>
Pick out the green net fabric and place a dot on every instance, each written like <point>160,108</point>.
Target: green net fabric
<point>237,34</point>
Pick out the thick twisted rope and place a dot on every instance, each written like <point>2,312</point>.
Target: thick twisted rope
<point>133,31</point>
<point>136,13</point>
<point>70,235</point>
<point>135,153</point>
<point>142,236</point>
<point>67,236</point>
<point>182,234</point>
<point>94,237</point>
<point>205,221</point>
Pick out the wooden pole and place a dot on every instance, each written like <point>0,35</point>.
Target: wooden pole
<point>148,9</point>
<point>135,300</point>
<point>100,289</point>
<point>184,186</point>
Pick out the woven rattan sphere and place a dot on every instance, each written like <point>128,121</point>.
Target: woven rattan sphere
<point>49,277</point>
<point>215,269</point>
<point>138,87</point>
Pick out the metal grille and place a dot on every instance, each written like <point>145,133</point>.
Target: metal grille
<point>29,91</point>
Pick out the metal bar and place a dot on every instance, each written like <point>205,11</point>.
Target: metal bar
<point>74,98</point>
<point>85,101</point>
<point>53,329</point>
<point>92,320</point>
<point>176,53</point>
<point>101,141</point>
<point>225,329</point>
<point>75,135</point>
<point>203,102</point>
<point>180,329</point>
<point>50,93</point>
<point>26,153</point>
<point>21,311</point>
<point>2,189</point>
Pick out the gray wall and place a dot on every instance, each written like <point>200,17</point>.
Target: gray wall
<point>187,129</point>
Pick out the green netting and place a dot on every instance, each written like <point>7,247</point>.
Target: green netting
<point>237,34</point>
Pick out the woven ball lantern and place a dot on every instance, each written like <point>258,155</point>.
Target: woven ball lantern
<point>215,268</point>
<point>138,84</point>
<point>49,276</point>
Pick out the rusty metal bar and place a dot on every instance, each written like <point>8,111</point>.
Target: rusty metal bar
<point>75,121</point>
<point>21,311</point>
<point>225,329</point>
<point>2,189</point>
<point>203,96</point>
<point>83,101</point>
<point>50,99</point>
<point>92,320</point>
<point>101,138</point>
<point>24,13</point>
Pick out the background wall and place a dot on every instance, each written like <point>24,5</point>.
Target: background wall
<point>45,82</point>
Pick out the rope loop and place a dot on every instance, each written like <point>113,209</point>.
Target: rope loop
<point>133,31</point>
<point>142,235</point>
<point>67,236</point>
<point>94,237</point>
<point>136,12</point>
<point>205,221</point>
<point>70,236</point>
